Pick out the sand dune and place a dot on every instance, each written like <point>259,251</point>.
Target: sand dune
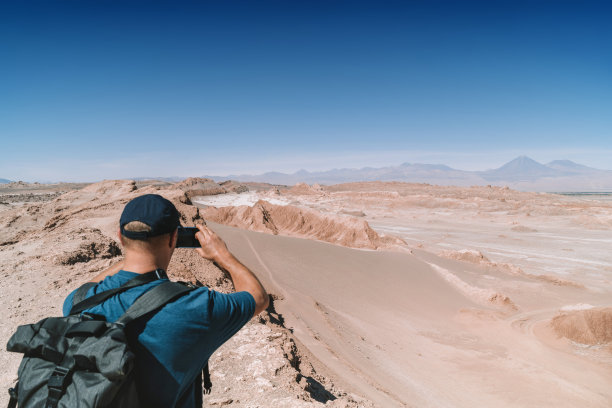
<point>396,329</point>
<point>349,307</point>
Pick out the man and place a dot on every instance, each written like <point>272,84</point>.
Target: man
<point>173,345</point>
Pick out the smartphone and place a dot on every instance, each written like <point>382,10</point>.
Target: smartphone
<point>187,238</point>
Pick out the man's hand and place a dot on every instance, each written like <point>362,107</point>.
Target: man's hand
<point>214,249</point>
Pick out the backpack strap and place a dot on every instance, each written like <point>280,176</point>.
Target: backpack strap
<point>206,383</point>
<point>202,385</point>
<point>153,299</point>
<point>102,296</point>
<point>57,383</point>
<point>81,292</point>
<point>13,397</point>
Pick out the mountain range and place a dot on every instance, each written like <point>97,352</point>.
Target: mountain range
<point>522,173</point>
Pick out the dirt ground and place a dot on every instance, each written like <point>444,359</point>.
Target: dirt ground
<point>384,294</point>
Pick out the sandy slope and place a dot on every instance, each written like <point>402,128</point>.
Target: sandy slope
<point>393,326</point>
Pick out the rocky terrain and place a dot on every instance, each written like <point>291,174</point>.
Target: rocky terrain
<point>50,246</point>
<point>383,294</point>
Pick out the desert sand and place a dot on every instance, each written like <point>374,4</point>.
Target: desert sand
<point>384,294</point>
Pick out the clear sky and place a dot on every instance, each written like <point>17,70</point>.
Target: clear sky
<point>116,89</point>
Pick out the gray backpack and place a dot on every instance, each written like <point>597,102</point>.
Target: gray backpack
<point>82,360</point>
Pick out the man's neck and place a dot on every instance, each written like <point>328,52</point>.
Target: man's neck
<point>142,263</point>
<point>141,267</point>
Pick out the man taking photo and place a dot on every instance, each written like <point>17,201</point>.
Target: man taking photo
<point>172,345</point>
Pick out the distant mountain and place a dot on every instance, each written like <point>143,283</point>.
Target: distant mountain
<point>520,169</point>
<point>522,173</point>
<point>570,167</point>
<point>4,181</point>
<point>418,173</point>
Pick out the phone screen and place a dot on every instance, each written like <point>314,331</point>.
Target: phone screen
<point>186,238</point>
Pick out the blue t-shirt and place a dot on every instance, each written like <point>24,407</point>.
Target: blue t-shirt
<point>174,344</point>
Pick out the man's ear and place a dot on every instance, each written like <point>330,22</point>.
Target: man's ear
<point>120,236</point>
<point>173,238</point>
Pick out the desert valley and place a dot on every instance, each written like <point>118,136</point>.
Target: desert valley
<point>385,294</point>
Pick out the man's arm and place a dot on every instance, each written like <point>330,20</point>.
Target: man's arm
<point>111,270</point>
<point>214,249</point>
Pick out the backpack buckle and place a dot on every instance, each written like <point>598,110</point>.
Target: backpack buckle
<point>161,274</point>
<point>59,377</point>
<point>57,384</point>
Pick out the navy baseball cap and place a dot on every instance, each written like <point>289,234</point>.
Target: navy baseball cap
<point>153,210</point>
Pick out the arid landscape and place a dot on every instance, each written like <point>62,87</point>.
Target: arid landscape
<point>385,294</point>
<point>423,188</point>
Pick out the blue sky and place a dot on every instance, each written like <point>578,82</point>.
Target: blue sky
<point>93,90</point>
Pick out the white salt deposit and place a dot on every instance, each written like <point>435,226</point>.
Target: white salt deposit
<point>577,306</point>
<point>236,199</point>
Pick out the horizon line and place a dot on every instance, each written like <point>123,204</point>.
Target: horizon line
<point>263,173</point>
